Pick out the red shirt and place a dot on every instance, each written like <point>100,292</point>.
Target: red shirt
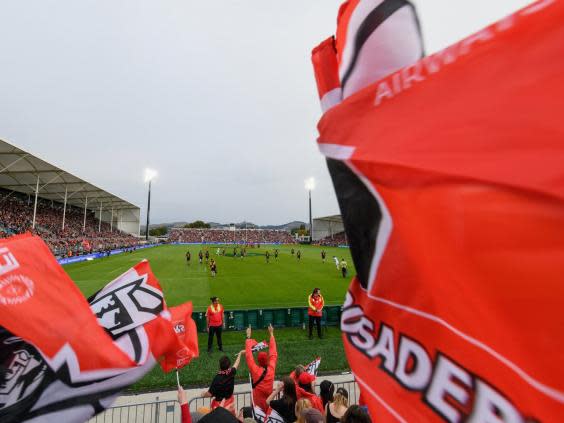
<point>262,391</point>
<point>185,414</point>
<point>215,316</point>
<point>315,305</point>
<point>315,401</point>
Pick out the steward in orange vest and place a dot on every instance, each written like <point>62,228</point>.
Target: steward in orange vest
<point>315,311</point>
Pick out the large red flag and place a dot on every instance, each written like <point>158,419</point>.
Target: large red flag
<point>450,178</point>
<point>187,333</point>
<point>61,358</point>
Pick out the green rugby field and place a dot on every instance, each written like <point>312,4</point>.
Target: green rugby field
<point>247,283</point>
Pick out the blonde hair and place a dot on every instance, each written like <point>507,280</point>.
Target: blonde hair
<point>301,405</point>
<point>340,400</point>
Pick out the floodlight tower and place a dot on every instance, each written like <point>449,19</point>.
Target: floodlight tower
<point>310,186</point>
<point>150,174</point>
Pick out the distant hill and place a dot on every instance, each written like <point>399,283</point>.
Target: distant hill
<point>286,227</point>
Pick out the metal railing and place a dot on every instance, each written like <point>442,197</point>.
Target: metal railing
<point>169,411</point>
<point>242,399</point>
<point>150,412</point>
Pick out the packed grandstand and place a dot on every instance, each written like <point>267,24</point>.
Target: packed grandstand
<point>79,235</point>
<point>333,240</point>
<point>238,236</point>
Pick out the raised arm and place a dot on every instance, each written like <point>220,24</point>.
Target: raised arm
<point>238,360</point>
<point>253,367</point>
<point>274,393</point>
<point>272,352</point>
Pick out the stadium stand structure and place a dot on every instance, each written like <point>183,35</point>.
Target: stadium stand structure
<point>329,231</point>
<point>237,236</point>
<point>70,214</point>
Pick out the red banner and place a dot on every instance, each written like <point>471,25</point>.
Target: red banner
<point>187,333</point>
<point>450,178</point>
<point>63,358</point>
<point>40,303</point>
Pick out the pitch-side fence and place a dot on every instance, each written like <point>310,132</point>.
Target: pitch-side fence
<point>277,317</point>
<point>169,411</point>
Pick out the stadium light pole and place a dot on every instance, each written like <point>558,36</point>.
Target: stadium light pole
<point>310,186</point>
<point>150,174</point>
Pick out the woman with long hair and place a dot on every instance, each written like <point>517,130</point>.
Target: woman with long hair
<point>301,405</point>
<point>338,407</point>
<point>326,390</point>
<point>285,406</point>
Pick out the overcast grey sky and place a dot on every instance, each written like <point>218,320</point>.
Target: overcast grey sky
<point>218,96</point>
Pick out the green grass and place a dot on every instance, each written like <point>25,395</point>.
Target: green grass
<point>293,348</point>
<point>241,284</point>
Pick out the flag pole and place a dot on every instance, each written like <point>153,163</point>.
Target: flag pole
<point>177,379</point>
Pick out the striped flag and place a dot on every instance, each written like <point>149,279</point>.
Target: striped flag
<point>312,367</point>
<point>259,346</point>
<point>61,358</point>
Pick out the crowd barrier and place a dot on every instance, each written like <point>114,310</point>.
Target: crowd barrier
<point>277,317</point>
<point>169,411</point>
<point>150,412</point>
<point>92,256</point>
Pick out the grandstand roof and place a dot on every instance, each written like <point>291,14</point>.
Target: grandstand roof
<point>19,171</point>
<point>336,218</point>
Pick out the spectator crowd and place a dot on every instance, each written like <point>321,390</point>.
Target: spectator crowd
<point>294,399</point>
<point>16,217</point>
<point>333,240</point>
<point>239,236</point>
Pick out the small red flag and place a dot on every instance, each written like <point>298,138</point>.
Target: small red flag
<point>185,328</point>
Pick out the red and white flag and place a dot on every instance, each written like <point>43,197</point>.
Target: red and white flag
<point>187,333</point>
<point>449,175</point>
<point>60,361</point>
<point>313,367</point>
<point>259,346</point>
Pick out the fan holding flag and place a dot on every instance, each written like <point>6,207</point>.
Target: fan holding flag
<point>261,375</point>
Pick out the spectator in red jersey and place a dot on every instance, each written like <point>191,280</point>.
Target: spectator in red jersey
<point>315,311</point>
<point>304,390</point>
<point>215,319</point>
<point>262,375</point>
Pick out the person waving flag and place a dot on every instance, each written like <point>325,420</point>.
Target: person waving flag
<point>261,375</point>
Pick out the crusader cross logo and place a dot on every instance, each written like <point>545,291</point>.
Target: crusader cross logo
<point>179,328</point>
<point>127,306</point>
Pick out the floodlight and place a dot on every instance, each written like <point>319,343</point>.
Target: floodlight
<point>310,184</point>
<point>150,174</point>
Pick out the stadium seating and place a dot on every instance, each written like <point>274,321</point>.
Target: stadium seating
<point>240,236</point>
<point>16,216</point>
<point>333,241</point>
